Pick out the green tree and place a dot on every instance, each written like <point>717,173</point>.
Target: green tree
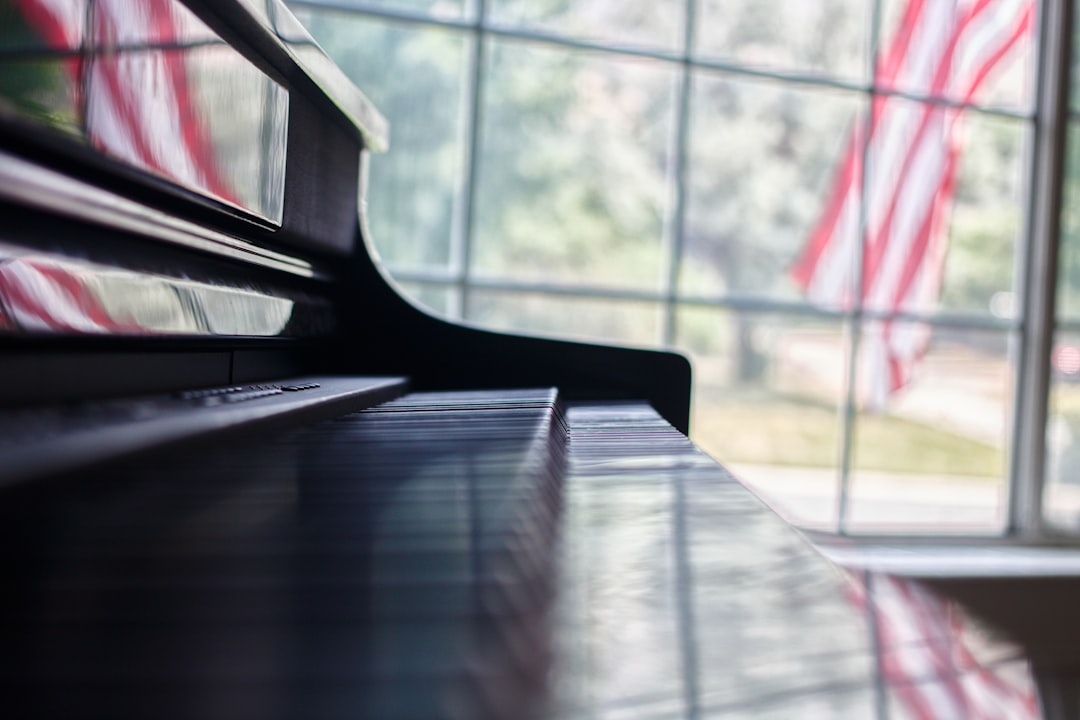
<point>416,79</point>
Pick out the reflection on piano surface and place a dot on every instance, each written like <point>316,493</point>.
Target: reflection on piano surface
<point>241,477</point>
<point>525,563</point>
<point>148,83</point>
<point>42,294</point>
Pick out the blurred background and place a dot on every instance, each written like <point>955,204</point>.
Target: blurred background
<point>652,173</point>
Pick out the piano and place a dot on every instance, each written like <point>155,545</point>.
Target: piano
<point>242,477</point>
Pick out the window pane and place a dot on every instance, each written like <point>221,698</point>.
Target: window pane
<point>440,9</point>
<point>1074,70</point>
<point>924,155</point>
<point>574,165</point>
<point>989,59</point>
<point>767,393</point>
<point>413,191</point>
<point>438,298</point>
<point>1061,494</point>
<point>931,456</point>
<point>987,218</point>
<point>654,24</point>
<point>762,158</point>
<point>621,322</point>
<point>827,37</point>
<point>1068,294</point>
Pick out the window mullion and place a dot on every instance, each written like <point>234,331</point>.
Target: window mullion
<point>679,173</point>
<point>1040,271</point>
<point>849,413</point>
<point>476,77</point>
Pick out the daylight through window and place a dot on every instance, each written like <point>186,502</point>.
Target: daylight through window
<point>845,212</point>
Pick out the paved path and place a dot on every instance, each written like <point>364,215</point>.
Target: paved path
<point>880,501</point>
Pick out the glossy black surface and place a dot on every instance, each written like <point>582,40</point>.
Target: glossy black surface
<point>46,440</point>
<point>63,202</point>
<point>333,572</point>
<point>465,555</point>
<point>280,25</point>
<point>52,294</point>
<point>148,83</point>
<point>683,596</point>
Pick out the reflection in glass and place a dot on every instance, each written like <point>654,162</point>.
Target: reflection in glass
<point>574,167</point>
<point>29,26</point>
<point>820,37</point>
<point>147,83</point>
<point>596,319</point>
<point>929,454</point>
<point>654,24</point>
<point>761,158</point>
<point>767,393</point>
<point>414,203</point>
<point>41,89</point>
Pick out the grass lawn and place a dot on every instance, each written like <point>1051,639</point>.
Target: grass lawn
<point>762,426</point>
<point>1065,399</point>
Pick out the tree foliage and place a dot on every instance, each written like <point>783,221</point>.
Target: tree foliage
<point>576,150</point>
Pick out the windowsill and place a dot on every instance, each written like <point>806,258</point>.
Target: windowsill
<point>951,559</point>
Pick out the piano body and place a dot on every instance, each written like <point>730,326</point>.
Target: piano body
<point>240,476</point>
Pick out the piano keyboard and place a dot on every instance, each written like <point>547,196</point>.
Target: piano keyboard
<point>56,438</point>
<point>390,563</point>
<point>442,555</point>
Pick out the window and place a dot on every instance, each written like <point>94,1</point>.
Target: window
<point>649,173</point>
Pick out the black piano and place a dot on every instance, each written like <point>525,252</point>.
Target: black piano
<point>242,477</point>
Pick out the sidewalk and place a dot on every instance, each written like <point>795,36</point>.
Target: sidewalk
<point>882,501</point>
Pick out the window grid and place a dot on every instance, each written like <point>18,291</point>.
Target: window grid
<point>854,321</point>
<point>1039,263</point>
<point>677,227</point>
<point>733,301</point>
<point>484,27</point>
<point>472,125</point>
<point>1030,372</point>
